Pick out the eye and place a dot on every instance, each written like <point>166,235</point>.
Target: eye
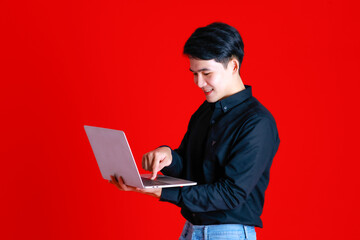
<point>206,73</point>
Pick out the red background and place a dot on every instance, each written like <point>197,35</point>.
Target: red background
<point>119,64</point>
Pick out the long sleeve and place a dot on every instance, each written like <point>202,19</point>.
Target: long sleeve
<point>176,167</point>
<point>250,155</point>
<point>228,150</point>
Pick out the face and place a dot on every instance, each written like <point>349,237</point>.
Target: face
<point>216,81</point>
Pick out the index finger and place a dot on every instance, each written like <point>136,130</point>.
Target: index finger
<point>155,168</point>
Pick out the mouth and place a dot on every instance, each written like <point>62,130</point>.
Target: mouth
<point>208,91</point>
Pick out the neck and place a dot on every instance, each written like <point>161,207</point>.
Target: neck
<point>238,84</point>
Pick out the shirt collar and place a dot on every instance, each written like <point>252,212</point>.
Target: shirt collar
<point>234,100</point>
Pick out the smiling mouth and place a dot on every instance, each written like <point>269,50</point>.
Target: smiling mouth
<point>208,92</point>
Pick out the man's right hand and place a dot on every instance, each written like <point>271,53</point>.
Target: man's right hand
<point>156,160</point>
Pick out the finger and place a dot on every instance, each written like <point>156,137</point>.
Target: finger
<point>155,168</point>
<point>126,187</point>
<point>143,161</point>
<point>146,163</point>
<point>122,184</point>
<point>150,159</point>
<point>153,175</point>
<point>115,182</point>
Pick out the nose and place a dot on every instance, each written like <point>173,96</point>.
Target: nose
<point>199,81</point>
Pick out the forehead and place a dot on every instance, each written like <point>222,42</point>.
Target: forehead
<point>198,65</point>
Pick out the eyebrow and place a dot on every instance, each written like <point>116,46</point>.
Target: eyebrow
<point>200,70</point>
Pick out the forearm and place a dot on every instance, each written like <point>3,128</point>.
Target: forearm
<point>222,195</point>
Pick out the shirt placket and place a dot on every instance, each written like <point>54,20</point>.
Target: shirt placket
<point>209,159</point>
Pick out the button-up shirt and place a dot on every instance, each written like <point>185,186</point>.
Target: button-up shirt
<point>228,149</point>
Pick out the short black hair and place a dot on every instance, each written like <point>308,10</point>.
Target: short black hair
<point>218,41</point>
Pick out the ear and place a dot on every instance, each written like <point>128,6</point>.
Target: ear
<point>235,65</point>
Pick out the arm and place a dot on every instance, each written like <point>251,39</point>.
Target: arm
<point>250,154</point>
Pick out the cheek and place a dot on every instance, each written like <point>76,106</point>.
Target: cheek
<point>215,81</point>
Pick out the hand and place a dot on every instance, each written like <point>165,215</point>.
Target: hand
<point>156,160</point>
<point>119,183</point>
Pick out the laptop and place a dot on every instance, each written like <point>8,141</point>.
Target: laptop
<point>114,158</point>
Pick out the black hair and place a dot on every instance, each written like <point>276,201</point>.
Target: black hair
<point>218,41</point>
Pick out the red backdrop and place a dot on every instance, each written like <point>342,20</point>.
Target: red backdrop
<point>118,64</point>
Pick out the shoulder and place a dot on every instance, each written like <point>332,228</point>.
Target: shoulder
<point>204,108</point>
<point>257,112</point>
<point>256,118</point>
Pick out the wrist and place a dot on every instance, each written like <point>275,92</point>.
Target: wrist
<point>157,193</point>
<point>154,192</point>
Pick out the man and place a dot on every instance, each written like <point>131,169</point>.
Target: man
<point>228,147</point>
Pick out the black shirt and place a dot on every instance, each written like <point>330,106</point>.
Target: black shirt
<point>228,149</point>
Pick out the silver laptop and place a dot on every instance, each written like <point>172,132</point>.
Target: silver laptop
<point>114,157</point>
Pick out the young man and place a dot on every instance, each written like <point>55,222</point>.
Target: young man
<point>228,148</point>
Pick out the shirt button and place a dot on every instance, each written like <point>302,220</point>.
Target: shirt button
<point>225,108</point>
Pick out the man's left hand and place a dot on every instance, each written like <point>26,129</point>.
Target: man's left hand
<point>119,183</point>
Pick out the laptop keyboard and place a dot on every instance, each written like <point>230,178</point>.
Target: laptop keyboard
<point>149,182</point>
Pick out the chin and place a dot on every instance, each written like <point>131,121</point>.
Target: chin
<point>212,100</point>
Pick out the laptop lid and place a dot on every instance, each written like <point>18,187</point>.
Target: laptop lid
<point>114,157</point>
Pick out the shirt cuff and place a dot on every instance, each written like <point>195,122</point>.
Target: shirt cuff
<point>171,195</point>
<point>174,159</point>
<point>174,162</point>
